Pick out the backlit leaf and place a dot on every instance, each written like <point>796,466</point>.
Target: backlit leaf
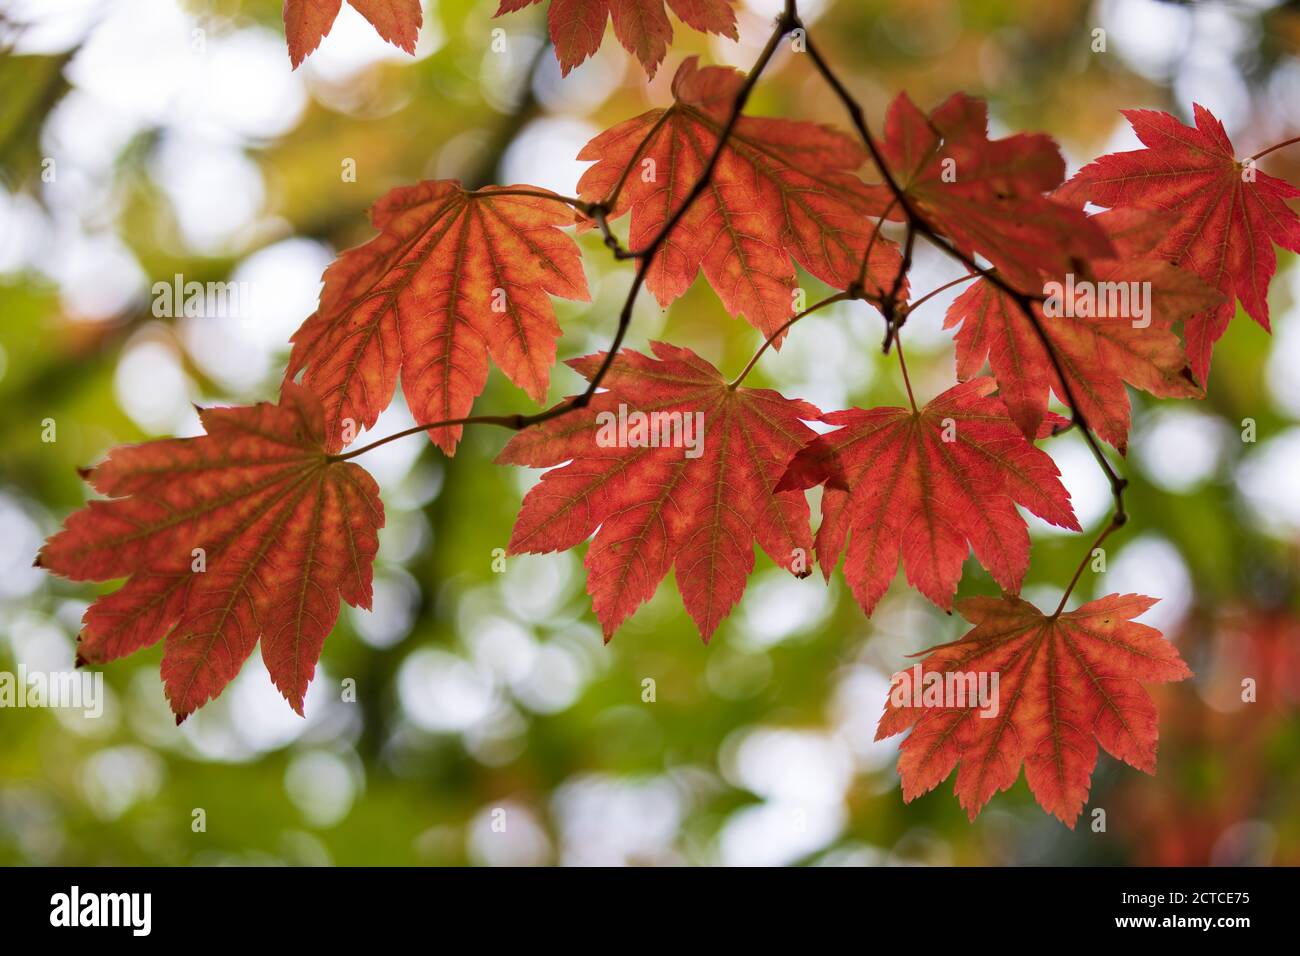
<point>1098,353</point>
<point>453,277</point>
<point>930,486</point>
<point>248,532</point>
<point>1064,685</point>
<point>987,196</point>
<point>307,22</point>
<point>782,190</point>
<point>660,504</point>
<point>1221,217</point>
<point>578,26</point>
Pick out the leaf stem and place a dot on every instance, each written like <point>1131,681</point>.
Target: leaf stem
<point>513,422</point>
<point>1113,525</point>
<point>902,364</point>
<point>1023,300</point>
<point>837,297</point>
<point>416,429</point>
<point>786,22</point>
<point>913,306</point>
<point>1286,142</point>
<point>866,255</point>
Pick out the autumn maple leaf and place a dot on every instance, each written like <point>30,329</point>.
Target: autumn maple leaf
<point>249,531</point>
<point>930,484</point>
<point>781,189</point>
<point>987,195</point>
<point>1064,684</point>
<point>1097,353</point>
<point>698,503</point>
<point>453,277</point>
<point>578,26</point>
<point>1221,216</point>
<point>307,22</point>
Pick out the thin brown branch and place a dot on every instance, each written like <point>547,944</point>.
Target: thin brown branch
<point>786,22</point>
<point>893,319</point>
<point>1023,300</point>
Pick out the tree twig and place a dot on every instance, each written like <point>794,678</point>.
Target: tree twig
<point>1024,301</point>
<point>786,22</point>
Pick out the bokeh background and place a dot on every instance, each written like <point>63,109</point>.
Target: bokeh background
<point>200,153</point>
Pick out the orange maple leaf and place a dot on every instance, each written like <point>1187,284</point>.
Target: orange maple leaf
<point>307,22</point>
<point>1064,684</point>
<point>578,26</point>
<point>453,277</point>
<point>781,189</point>
<point>930,484</point>
<point>987,196</point>
<point>1098,353</point>
<point>1221,216</point>
<point>698,503</point>
<point>249,531</point>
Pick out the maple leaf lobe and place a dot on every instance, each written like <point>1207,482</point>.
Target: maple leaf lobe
<point>577,27</point>
<point>453,277</point>
<point>1219,223</point>
<point>987,195</point>
<point>653,509</point>
<point>307,22</point>
<point>284,532</point>
<point>782,192</point>
<point>928,486</point>
<point>1067,683</point>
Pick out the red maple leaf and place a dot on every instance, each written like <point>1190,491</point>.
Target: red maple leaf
<point>1221,217</point>
<point>781,189</point>
<point>987,195</point>
<point>1098,353</point>
<point>578,26</point>
<point>249,531</point>
<point>453,277</point>
<point>307,22</point>
<point>1065,683</point>
<point>930,484</point>
<point>660,503</point>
